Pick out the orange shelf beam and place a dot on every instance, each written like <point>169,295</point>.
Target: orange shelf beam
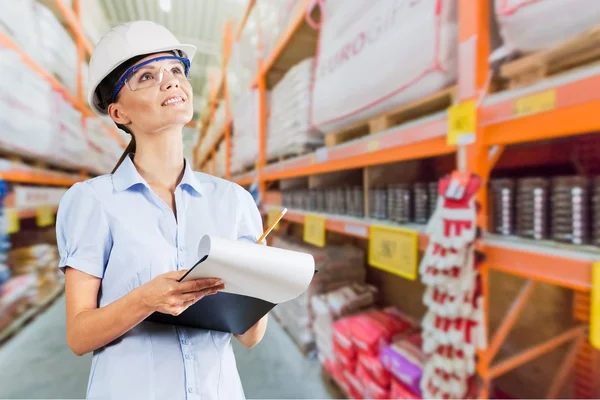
<point>350,226</point>
<point>573,111</point>
<point>420,139</point>
<point>249,7</point>
<point>245,178</point>
<point>39,178</point>
<point>562,266</point>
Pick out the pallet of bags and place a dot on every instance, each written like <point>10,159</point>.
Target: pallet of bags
<point>289,131</point>
<point>40,260</point>
<point>245,126</point>
<point>331,306</point>
<point>58,48</point>
<point>27,124</point>
<point>522,30</point>
<point>378,55</point>
<point>18,294</point>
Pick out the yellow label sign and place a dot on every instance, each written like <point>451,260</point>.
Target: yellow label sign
<point>13,222</point>
<point>314,230</point>
<point>535,103</point>
<point>44,216</point>
<point>272,215</point>
<point>462,120</point>
<point>395,250</point>
<point>595,306</point>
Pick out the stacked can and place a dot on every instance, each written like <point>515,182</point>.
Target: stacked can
<point>570,209</point>
<point>503,193</point>
<point>354,201</point>
<point>339,201</point>
<point>399,208</point>
<point>433,197</point>
<point>378,203</point>
<point>532,208</point>
<point>596,212</point>
<point>421,203</point>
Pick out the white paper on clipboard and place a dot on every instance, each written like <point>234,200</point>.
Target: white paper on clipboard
<point>268,273</point>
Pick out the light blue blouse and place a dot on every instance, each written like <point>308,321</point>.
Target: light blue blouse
<point>116,228</point>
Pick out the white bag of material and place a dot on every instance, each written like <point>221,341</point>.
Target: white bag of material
<point>530,25</point>
<point>289,130</point>
<point>244,152</point>
<point>380,54</point>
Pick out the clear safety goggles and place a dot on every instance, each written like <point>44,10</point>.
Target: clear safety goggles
<point>152,72</point>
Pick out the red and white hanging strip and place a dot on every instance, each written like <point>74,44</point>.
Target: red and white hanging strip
<point>453,327</point>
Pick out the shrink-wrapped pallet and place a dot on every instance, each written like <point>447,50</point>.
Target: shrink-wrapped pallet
<point>245,131</point>
<point>288,129</point>
<point>338,266</point>
<point>380,54</point>
<point>530,25</point>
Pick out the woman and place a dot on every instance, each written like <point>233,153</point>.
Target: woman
<point>126,238</point>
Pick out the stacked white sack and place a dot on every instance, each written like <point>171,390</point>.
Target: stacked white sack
<point>274,18</point>
<point>289,130</point>
<point>28,126</point>
<point>530,25</point>
<point>377,55</point>
<point>59,49</point>
<point>243,61</point>
<point>244,153</point>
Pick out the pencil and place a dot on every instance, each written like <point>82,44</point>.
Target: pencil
<point>270,228</point>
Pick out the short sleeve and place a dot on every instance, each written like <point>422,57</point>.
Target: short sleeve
<point>249,220</point>
<point>82,231</point>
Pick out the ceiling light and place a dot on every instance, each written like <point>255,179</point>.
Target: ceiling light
<point>165,5</point>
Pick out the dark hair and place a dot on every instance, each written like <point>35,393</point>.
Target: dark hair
<point>105,90</point>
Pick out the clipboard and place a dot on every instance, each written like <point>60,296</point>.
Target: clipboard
<point>222,312</point>
<point>279,276</point>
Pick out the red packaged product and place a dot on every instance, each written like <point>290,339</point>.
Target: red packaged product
<point>356,390</point>
<point>371,389</point>
<point>342,334</point>
<point>401,392</point>
<point>375,329</point>
<point>375,368</point>
<point>343,358</point>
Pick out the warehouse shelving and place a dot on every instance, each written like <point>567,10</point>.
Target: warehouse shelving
<point>58,7</point>
<point>557,107</point>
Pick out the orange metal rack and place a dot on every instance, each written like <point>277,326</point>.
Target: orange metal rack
<point>500,122</point>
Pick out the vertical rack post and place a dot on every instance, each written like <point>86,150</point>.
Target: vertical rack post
<point>228,125</point>
<point>473,53</point>
<point>80,52</point>
<point>262,127</point>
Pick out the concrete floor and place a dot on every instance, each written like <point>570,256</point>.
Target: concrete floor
<point>36,363</point>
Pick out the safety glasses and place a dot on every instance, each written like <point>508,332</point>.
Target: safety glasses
<point>151,73</point>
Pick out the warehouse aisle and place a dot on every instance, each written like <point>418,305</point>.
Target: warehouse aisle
<point>36,363</point>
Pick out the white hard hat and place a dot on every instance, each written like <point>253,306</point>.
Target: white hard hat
<point>124,42</point>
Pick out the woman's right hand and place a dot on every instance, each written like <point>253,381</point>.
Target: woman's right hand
<point>165,294</point>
